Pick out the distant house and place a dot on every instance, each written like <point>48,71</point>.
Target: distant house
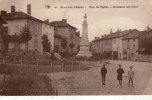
<point>17,20</point>
<point>117,46</point>
<point>130,45</point>
<point>110,45</point>
<point>69,32</point>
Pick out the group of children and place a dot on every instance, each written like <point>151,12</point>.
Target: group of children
<point>119,72</point>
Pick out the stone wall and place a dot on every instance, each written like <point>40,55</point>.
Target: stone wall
<point>147,58</point>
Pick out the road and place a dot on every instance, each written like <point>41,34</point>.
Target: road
<point>88,82</point>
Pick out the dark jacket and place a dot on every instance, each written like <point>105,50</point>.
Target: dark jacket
<point>120,71</point>
<point>103,71</point>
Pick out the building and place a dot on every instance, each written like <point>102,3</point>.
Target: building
<point>117,49</point>
<point>17,20</point>
<point>58,39</point>
<point>130,44</point>
<point>110,45</point>
<point>70,33</point>
<point>102,45</point>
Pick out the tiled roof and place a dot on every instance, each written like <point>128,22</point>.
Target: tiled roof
<point>61,24</point>
<point>115,35</point>
<point>21,15</point>
<point>133,34</point>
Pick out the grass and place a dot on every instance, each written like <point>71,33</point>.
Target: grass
<point>23,81</point>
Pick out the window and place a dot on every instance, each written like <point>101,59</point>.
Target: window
<point>134,39</point>
<point>132,54</point>
<point>133,46</point>
<point>128,40</point>
<point>114,41</point>
<point>35,44</point>
<point>127,46</point>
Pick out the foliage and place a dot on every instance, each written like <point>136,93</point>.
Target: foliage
<point>71,45</point>
<point>45,43</point>
<point>78,47</point>
<point>5,38</point>
<point>22,37</point>
<point>25,82</point>
<point>25,34</point>
<point>64,43</point>
<point>146,45</point>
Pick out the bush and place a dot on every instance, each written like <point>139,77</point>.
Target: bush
<point>25,82</point>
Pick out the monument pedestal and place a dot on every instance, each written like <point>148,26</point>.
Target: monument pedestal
<point>84,44</point>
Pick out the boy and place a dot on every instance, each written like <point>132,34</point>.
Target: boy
<point>103,73</point>
<point>130,76</point>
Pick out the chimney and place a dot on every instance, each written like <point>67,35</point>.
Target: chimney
<point>12,9</point>
<point>29,9</point>
<point>64,20</point>
<point>47,20</point>
<point>3,13</point>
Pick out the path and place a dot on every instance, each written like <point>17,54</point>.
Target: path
<point>88,82</point>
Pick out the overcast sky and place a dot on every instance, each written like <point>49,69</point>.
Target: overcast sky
<point>100,20</point>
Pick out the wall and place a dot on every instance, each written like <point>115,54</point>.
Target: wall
<point>147,58</point>
<point>131,47</point>
<point>14,26</point>
<point>36,30</point>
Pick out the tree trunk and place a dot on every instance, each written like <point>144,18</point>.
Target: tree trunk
<point>26,46</point>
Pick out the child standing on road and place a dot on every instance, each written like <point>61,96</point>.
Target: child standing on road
<point>103,73</point>
<point>120,71</point>
<point>130,76</point>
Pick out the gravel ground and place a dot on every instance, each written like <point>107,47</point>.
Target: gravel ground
<point>88,82</point>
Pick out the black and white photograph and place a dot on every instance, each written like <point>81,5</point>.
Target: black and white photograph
<point>75,47</point>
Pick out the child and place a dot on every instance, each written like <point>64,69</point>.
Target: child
<point>130,76</point>
<point>103,73</point>
<point>120,71</point>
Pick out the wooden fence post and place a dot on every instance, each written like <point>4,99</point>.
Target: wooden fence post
<point>3,61</point>
<point>37,63</point>
<point>21,63</point>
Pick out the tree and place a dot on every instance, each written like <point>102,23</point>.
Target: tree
<point>64,43</point>
<point>78,47</point>
<point>5,38</point>
<point>63,51</point>
<point>71,45</point>
<point>25,35</point>
<point>45,43</point>
<point>16,39</point>
<point>147,45</point>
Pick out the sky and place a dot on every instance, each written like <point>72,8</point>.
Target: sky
<point>100,20</point>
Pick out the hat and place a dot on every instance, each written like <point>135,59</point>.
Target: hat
<point>120,65</point>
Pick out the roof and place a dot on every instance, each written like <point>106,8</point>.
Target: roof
<point>21,15</point>
<point>115,35</point>
<point>133,34</point>
<point>61,24</point>
<point>2,20</point>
